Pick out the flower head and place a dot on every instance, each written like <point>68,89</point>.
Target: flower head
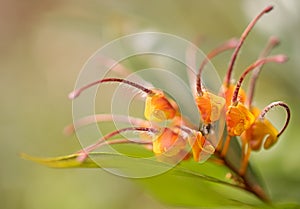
<point>243,121</point>
<point>262,130</point>
<point>210,106</point>
<point>158,108</point>
<point>238,119</point>
<point>168,143</point>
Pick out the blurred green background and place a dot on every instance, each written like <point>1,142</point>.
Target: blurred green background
<point>44,45</point>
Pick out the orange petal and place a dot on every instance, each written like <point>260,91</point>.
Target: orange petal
<point>158,108</point>
<point>210,106</point>
<point>200,146</point>
<point>238,119</point>
<point>259,131</point>
<point>168,143</point>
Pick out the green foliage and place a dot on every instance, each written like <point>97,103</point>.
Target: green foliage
<point>188,184</point>
<point>213,184</point>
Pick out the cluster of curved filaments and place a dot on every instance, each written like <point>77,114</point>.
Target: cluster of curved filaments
<point>92,119</point>
<point>85,152</point>
<point>167,141</point>
<point>278,59</point>
<point>210,105</point>
<point>246,117</point>
<point>157,108</point>
<point>242,120</point>
<point>239,118</point>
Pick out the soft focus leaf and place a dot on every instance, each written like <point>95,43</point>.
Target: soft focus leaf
<point>188,189</point>
<point>187,184</point>
<point>183,186</point>
<point>68,161</point>
<point>287,206</point>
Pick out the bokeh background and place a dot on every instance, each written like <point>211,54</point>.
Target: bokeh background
<point>44,45</point>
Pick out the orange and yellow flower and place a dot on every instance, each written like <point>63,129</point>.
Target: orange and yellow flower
<point>243,121</point>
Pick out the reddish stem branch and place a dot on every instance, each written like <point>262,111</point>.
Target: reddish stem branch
<point>274,104</point>
<point>230,44</point>
<point>77,92</point>
<point>242,39</point>
<point>106,117</point>
<point>94,146</point>
<point>273,41</point>
<point>277,58</point>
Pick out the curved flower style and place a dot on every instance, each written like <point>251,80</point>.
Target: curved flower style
<point>171,140</point>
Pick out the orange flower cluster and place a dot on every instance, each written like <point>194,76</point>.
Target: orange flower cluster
<point>178,136</point>
<point>242,119</point>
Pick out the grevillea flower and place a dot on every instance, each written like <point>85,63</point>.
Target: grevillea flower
<point>158,107</point>
<point>169,143</point>
<point>243,121</point>
<point>210,107</point>
<point>261,133</point>
<point>239,117</point>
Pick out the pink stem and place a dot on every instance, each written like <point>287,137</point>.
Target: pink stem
<point>274,104</point>
<point>230,44</point>
<point>94,146</point>
<point>277,58</point>
<point>273,41</point>
<point>77,92</point>
<point>242,39</point>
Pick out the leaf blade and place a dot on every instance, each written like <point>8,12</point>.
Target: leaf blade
<point>179,186</point>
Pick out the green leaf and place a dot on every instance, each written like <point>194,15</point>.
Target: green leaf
<point>68,161</point>
<point>192,190</point>
<point>187,184</point>
<point>287,206</point>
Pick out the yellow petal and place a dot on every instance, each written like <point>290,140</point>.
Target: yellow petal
<point>238,119</point>
<point>210,106</point>
<point>168,143</point>
<point>261,130</point>
<point>158,108</point>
